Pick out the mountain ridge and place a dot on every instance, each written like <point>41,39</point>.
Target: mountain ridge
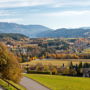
<point>67,33</point>
<point>40,31</point>
<point>28,30</point>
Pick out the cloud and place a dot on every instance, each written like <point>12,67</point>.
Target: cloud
<point>6,13</point>
<point>14,20</point>
<point>13,3</point>
<point>71,3</point>
<point>23,3</point>
<point>51,3</point>
<point>67,13</point>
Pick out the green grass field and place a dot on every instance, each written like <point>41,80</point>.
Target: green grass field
<point>55,82</point>
<point>57,62</point>
<point>6,87</point>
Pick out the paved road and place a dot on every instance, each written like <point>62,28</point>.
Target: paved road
<point>30,84</point>
<point>1,88</point>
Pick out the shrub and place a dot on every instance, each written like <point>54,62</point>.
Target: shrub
<point>38,72</point>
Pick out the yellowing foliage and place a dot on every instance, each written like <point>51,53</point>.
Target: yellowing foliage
<point>9,66</point>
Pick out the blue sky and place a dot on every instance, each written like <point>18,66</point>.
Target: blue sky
<point>51,13</point>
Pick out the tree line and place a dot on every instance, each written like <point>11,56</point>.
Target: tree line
<point>70,70</point>
<point>69,56</point>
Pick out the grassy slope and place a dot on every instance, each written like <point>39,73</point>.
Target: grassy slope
<point>62,82</point>
<point>5,85</point>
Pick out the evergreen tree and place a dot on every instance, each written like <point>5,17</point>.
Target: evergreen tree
<point>71,65</point>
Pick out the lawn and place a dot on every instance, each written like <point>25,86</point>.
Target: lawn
<point>56,82</point>
<point>5,85</point>
<point>57,62</point>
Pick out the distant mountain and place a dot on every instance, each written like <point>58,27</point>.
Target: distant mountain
<point>67,33</point>
<point>35,31</point>
<point>28,30</point>
<point>85,28</point>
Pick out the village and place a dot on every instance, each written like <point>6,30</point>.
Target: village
<point>39,47</point>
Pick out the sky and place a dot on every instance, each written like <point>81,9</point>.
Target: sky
<point>51,13</point>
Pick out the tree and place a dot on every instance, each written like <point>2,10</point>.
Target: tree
<point>9,66</point>
<point>71,65</point>
<point>86,65</point>
<point>80,66</point>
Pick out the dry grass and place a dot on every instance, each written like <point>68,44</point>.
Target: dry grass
<point>57,62</point>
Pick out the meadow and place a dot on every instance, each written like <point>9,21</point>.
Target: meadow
<point>56,82</point>
<point>9,87</point>
<point>57,62</point>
